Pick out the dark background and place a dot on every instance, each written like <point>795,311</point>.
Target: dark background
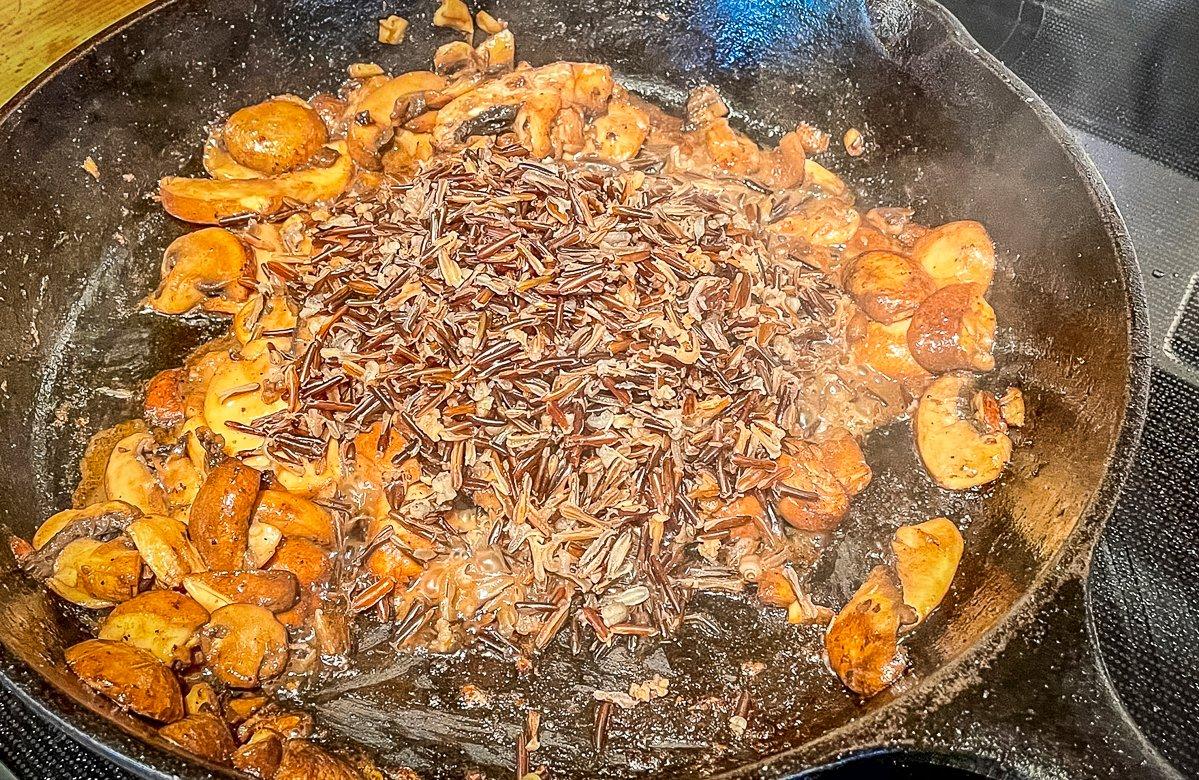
<point>1125,76</point>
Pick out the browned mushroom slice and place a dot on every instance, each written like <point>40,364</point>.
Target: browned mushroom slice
<point>128,477</point>
<point>303,760</point>
<point>198,266</point>
<point>275,135</point>
<point>956,253</point>
<point>883,348</point>
<point>274,590</point>
<point>112,571</point>
<point>312,566</point>
<point>863,640</point>
<point>96,522</point>
<point>618,135</point>
<point>497,53</point>
<point>954,328</point>
<point>289,724</point>
<point>204,734</point>
<point>1011,407</point>
<point>926,558</point>
<point>960,445</point>
<point>202,698</point>
<point>843,456</point>
<point>372,112</point>
<point>811,498</point>
<point>161,622</point>
<point>264,540</point>
<point>129,676</point>
<point>163,545</point>
<point>260,756</point>
<point>295,516</point>
<point>64,574</point>
<point>220,516</point>
<point>210,201</point>
<point>581,85</point>
<point>243,645</point>
<point>887,286</point>
<point>166,403</point>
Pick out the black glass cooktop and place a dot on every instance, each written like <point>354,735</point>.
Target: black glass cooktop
<point>1125,76</point>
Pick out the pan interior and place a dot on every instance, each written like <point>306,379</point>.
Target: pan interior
<point>948,138</point>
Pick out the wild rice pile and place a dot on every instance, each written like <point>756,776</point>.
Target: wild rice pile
<point>581,351</point>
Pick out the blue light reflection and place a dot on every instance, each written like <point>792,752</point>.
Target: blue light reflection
<point>744,32</point>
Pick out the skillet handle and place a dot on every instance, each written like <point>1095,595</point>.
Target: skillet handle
<point>1045,708</point>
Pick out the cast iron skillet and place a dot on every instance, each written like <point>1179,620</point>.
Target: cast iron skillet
<point>1004,678</point>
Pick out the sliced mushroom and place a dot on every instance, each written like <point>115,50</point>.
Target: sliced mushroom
<point>295,516</point>
<point>820,222</point>
<point>497,52</point>
<point>274,590</point>
<point>202,698</point>
<point>811,498</point>
<point>926,558</point>
<point>97,520</point>
<point>842,455</point>
<point>111,571</point>
<point>129,676</point>
<point>95,523</point>
<point>161,622</point>
<point>887,286</point>
<point>303,760</point>
<point>862,642</point>
<point>953,328</point>
<point>166,404</point>
<point>243,645</point>
<point>455,60</point>
<point>275,135</point>
<point>264,540</point>
<point>64,577</point>
<point>234,395</point>
<point>372,112</point>
<point>455,15</point>
<point>1011,407</point>
<point>581,85</point>
<point>220,517</point>
<point>289,724</point>
<point>405,153</point>
<point>180,481</point>
<point>960,447</point>
<point>239,708</point>
<point>163,545</point>
<point>821,178</point>
<point>883,348</point>
<point>198,267</point>
<point>220,164</point>
<point>868,238</point>
<point>704,106</point>
<point>260,756</point>
<point>957,253</point>
<point>312,566</point>
<point>127,477</point>
<point>204,734</point>
<point>210,201</point>
<point>774,589</point>
<point>618,135</point>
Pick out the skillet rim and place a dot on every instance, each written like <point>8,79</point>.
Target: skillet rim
<point>157,758</point>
